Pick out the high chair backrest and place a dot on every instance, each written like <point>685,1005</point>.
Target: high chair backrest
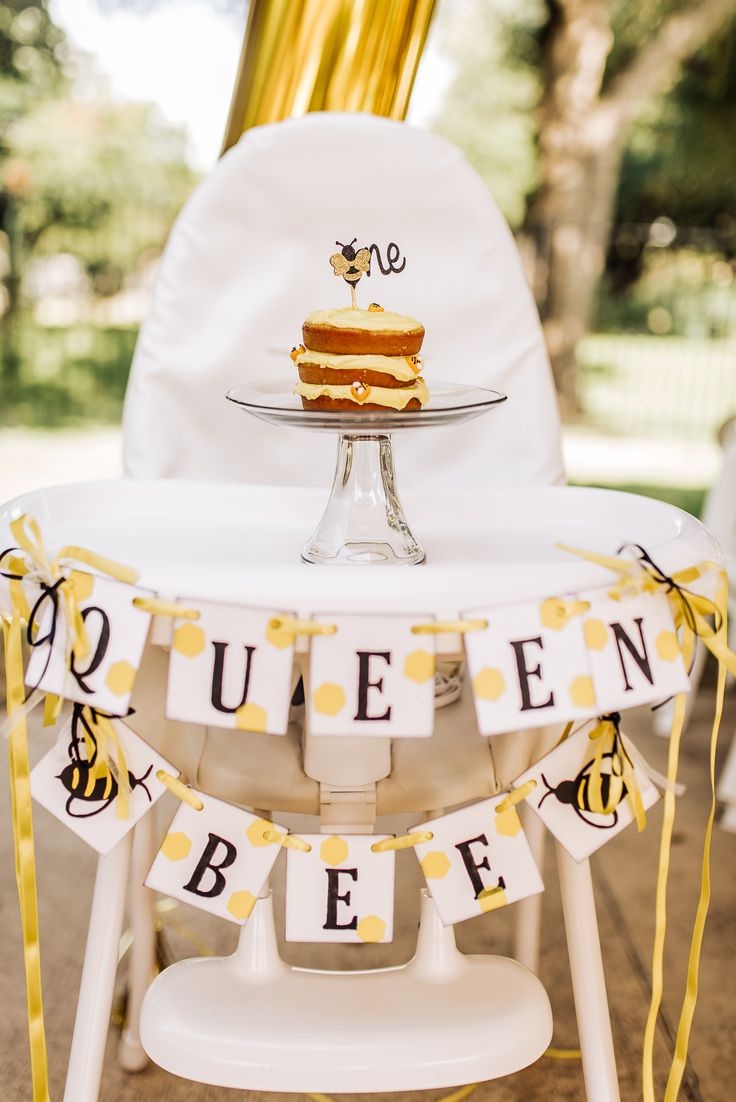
<point>248,259</point>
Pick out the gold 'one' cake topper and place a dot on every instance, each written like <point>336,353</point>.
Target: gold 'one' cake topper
<point>351,264</point>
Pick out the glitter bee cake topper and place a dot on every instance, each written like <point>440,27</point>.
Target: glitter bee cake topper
<point>351,263</point>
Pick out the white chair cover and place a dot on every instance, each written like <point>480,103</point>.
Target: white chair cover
<point>248,260</point>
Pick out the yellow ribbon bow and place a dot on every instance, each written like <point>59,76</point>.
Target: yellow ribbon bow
<point>692,613</point>
<point>33,565</point>
<point>606,789</point>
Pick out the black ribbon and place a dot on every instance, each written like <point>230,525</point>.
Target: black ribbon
<point>79,717</point>
<point>671,586</point>
<point>49,592</point>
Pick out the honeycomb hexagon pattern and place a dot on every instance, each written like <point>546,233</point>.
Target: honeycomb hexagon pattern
<point>371,928</point>
<point>189,640</point>
<point>596,634</point>
<point>176,846</point>
<point>334,850</point>
<point>120,677</point>
<point>251,717</point>
<point>419,666</point>
<point>240,904</point>
<point>329,699</point>
<point>435,865</point>
<point>489,684</point>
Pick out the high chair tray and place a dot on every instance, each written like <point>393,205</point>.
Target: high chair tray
<point>252,1022</point>
<point>236,542</point>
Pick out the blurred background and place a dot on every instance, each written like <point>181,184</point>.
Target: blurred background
<point>604,129</point>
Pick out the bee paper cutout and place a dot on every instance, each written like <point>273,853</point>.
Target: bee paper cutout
<point>78,777</point>
<point>64,782</point>
<point>562,793</point>
<point>351,263</point>
<point>576,792</point>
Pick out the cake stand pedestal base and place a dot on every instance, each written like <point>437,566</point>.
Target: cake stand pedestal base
<point>364,520</point>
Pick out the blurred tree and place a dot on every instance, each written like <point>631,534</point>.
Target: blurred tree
<point>31,67</point>
<point>80,174</point>
<point>603,62</point>
<point>105,182</point>
<point>599,65</point>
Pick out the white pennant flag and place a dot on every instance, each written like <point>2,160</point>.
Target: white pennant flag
<point>216,859</point>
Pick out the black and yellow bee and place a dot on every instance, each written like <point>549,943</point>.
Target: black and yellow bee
<point>576,792</point>
<point>351,263</point>
<point>79,777</point>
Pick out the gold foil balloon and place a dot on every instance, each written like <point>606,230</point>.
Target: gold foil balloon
<point>327,55</point>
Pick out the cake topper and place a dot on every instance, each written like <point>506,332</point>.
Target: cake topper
<point>352,263</point>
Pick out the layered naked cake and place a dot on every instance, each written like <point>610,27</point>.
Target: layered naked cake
<point>353,358</point>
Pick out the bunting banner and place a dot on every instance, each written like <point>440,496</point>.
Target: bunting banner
<point>574,658</point>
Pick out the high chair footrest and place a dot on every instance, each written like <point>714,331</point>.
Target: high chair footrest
<point>406,1028</point>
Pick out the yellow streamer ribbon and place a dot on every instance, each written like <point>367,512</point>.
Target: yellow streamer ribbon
<point>34,565</point>
<point>515,796</point>
<point>453,627</point>
<point>291,627</point>
<point>288,841</point>
<point>179,789</point>
<point>402,841</point>
<point>622,775</point>
<point>691,613</point>
<point>25,865</point>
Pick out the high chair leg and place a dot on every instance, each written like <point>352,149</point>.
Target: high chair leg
<point>528,917</point>
<point>588,981</point>
<point>141,910</point>
<point>98,975</point>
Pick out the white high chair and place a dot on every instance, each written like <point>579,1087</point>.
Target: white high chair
<point>246,262</point>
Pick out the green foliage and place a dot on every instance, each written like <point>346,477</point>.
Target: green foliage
<point>32,52</point>
<point>690,500</point>
<point>490,109</point>
<point>75,375</point>
<point>83,176</point>
<point>104,184</point>
<point>680,157</point>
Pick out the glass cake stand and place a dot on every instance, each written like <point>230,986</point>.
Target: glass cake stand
<point>364,521</point>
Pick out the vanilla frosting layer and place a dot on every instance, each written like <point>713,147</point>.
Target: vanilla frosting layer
<point>387,365</point>
<point>393,397</point>
<point>375,321</point>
